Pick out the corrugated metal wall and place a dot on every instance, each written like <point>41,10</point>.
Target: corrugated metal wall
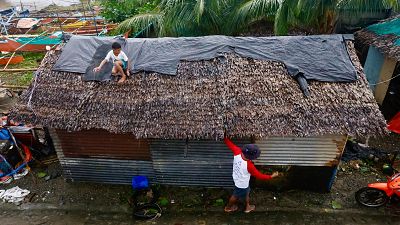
<point>102,144</point>
<point>198,163</point>
<point>100,160</point>
<point>305,151</point>
<point>179,162</point>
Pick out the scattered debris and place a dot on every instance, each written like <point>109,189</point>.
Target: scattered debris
<point>13,195</point>
<point>356,151</point>
<point>355,164</point>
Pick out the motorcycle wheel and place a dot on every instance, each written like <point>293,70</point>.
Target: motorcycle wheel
<point>371,197</point>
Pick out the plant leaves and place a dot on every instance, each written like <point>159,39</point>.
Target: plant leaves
<point>336,205</point>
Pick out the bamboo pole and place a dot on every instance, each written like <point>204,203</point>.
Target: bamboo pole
<point>18,70</point>
<point>13,86</point>
<point>9,61</point>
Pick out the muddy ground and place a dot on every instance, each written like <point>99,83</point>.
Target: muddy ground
<point>58,217</point>
<point>59,192</point>
<point>58,201</point>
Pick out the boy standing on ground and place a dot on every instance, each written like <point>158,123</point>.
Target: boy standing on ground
<point>243,168</point>
<point>119,59</point>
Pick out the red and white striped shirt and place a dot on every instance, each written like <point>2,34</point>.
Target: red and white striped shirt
<point>243,168</point>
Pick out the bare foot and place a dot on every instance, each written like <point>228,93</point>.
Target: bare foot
<point>122,80</point>
<point>230,209</point>
<point>250,208</point>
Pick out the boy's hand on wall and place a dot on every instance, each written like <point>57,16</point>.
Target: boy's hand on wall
<point>275,174</point>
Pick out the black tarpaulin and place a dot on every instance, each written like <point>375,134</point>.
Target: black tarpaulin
<point>321,57</point>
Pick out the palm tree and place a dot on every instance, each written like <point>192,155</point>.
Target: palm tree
<point>183,18</point>
<point>320,15</point>
<point>230,17</point>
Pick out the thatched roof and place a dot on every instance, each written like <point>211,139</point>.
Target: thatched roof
<point>385,36</point>
<point>245,96</point>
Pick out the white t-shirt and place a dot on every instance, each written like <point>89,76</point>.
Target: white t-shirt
<point>121,56</point>
<point>240,174</point>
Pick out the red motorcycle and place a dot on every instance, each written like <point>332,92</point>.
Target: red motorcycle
<point>378,194</point>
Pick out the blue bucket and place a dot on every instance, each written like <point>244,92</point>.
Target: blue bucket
<point>140,182</point>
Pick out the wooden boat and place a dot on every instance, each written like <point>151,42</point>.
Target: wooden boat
<point>84,30</point>
<point>14,60</point>
<point>28,44</point>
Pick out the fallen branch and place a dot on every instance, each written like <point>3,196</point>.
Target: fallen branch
<point>18,70</point>
<point>13,86</point>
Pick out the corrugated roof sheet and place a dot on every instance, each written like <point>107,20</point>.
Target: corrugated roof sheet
<point>307,151</point>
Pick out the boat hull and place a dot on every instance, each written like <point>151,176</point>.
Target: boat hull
<point>10,45</point>
<point>14,60</point>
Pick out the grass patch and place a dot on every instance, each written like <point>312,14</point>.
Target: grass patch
<point>31,60</point>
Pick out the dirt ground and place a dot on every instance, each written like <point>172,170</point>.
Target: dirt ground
<point>58,217</point>
<point>60,202</point>
<point>90,203</point>
<point>389,143</point>
<point>58,192</point>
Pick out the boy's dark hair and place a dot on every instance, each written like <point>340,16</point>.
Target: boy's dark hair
<point>115,45</point>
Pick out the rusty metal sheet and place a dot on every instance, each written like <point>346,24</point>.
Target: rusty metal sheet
<point>304,151</point>
<point>102,144</point>
<point>113,171</point>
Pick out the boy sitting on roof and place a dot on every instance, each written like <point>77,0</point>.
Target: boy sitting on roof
<point>243,168</point>
<point>120,60</point>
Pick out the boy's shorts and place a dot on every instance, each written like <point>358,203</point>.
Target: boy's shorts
<point>124,64</point>
<point>241,193</point>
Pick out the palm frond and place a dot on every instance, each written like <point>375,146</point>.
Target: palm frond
<point>281,25</point>
<point>198,10</point>
<point>360,6</point>
<point>143,22</point>
<point>251,11</point>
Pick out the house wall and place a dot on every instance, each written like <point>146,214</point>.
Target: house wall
<point>391,104</point>
<point>378,68</point>
<point>102,157</point>
<point>193,163</point>
<point>373,66</point>
<point>183,162</point>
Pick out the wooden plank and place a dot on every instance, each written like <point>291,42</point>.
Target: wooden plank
<point>386,73</point>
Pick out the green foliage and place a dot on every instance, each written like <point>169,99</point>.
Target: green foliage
<point>219,202</point>
<point>31,60</point>
<point>232,17</point>
<point>25,79</point>
<point>119,10</point>
<point>163,201</point>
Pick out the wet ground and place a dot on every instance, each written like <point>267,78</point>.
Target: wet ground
<point>59,192</point>
<point>59,202</point>
<point>56,217</point>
